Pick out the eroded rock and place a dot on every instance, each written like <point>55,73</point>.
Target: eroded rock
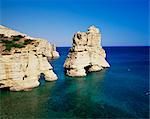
<point>86,54</point>
<point>23,59</point>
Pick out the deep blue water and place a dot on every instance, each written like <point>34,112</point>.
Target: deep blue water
<point>119,91</point>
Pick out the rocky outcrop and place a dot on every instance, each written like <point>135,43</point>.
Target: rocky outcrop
<point>86,54</point>
<point>23,59</point>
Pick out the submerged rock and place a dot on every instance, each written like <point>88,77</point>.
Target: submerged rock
<point>23,59</point>
<point>86,54</point>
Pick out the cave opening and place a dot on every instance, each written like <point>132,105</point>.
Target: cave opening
<point>42,79</point>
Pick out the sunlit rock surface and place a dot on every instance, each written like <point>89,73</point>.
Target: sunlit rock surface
<point>86,54</point>
<point>23,59</point>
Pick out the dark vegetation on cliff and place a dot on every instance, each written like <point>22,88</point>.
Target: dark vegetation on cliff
<point>13,42</point>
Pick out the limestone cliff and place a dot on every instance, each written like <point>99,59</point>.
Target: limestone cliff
<point>23,59</point>
<point>86,54</point>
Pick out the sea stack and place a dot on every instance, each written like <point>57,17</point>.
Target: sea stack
<point>23,59</point>
<point>86,54</point>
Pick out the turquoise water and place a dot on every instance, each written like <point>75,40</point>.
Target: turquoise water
<point>119,91</point>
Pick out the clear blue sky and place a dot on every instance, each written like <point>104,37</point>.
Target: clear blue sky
<point>122,22</point>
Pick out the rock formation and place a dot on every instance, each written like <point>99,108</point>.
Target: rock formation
<point>23,59</point>
<point>86,54</point>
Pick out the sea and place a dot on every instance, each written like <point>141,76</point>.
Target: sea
<point>121,91</point>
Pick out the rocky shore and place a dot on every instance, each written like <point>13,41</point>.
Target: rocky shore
<point>23,59</point>
<point>86,54</point>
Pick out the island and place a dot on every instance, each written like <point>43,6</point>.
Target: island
<point>86,54</point>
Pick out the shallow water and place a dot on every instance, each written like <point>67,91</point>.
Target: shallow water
<point>119,91</point>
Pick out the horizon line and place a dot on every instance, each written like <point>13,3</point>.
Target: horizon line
<point>116,46</point>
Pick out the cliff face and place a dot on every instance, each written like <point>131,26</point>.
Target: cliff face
<point>86,54</point>
<point>23,59</point>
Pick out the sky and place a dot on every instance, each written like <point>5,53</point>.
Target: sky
<point>121,22</point>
